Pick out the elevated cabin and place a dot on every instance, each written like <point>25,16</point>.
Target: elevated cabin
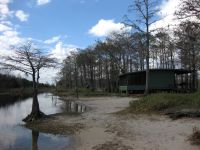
<point>178,80</point>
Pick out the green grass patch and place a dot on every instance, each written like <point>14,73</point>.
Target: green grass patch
<point>82,92</point>
<point>164,101</point>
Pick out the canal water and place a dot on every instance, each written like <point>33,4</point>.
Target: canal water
<point>13,136</point>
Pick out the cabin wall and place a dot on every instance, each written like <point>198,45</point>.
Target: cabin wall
<point>161,80</point>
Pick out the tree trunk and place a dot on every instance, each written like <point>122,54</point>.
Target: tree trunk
<point>35,112</point>
<point>35,104</point>
<point>147,50</point>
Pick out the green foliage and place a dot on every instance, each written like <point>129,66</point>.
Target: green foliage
<point>163,101</point>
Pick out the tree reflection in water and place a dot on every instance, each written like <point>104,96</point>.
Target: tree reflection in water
<point>35,135</point>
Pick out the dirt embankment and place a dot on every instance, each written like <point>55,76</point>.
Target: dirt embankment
<point>100,129</point>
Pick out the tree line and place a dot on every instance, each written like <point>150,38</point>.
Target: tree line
<point>10,82</point>
<point>99,65</point>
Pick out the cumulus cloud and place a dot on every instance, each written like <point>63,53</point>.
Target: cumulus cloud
<point>105,27</point>
<point>8,34</point>
<point>61,51</point>
<point>4,10</point>
<point>4,27</point>
<point>48,75</point>
<point>21,15</point>
<point>166,13</point>
<point>9,37</point>
<point>43,2</point>
<point>52,40</point>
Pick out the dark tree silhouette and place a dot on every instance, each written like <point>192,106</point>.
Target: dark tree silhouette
<point>188,9</point>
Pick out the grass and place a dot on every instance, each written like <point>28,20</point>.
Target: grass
<point>164,101</point>
<point>195,137</point>
<point>83,93</point>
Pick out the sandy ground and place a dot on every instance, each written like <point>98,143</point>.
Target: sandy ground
<point>106,131</point>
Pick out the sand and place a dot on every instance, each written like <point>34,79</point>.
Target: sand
<point>104,130</point>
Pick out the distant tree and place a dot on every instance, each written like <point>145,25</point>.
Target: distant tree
<point>145,15</point>
<point>73,57</point>
<point>164,49</point>
<point>188,39</point>
<point>139,46</point>
<point>29,60</point>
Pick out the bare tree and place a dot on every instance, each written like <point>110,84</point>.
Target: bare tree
<point>189,8</point>
<point>164,49</point>
<point>29,60</point>
<point>145,16</point>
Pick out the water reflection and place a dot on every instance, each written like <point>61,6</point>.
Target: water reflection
<point>75,107</point>
<point>35,135</point>
<point>13,136</point>
<point>6,100</point>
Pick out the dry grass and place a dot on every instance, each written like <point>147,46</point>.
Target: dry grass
<point>195,137</point>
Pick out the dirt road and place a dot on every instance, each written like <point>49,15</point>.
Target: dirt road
<point>106,131</point>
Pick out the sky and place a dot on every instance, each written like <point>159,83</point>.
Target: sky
<point>61,26</point>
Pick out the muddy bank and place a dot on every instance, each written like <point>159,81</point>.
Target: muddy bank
<point>101,129</point>
<point>54,125</point>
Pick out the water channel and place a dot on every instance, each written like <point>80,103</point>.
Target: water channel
<point>13,136</point>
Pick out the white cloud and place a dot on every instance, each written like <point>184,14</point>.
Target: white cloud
<point>166,13</point>
<point>4,10</point>
<point>48,75</point>
<point>4,1</point>
<point>43,2</point>
<point>21,15</point>
<point>4,27</point>
<point>8,33</point>
<point>6,22</point>
<point>8,38</point>
<point>105,27</point>
<point>61,51</point>
<point>52,40</point>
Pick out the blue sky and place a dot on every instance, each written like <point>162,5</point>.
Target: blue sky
<point>70,19</point>
<point>62,26</point>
